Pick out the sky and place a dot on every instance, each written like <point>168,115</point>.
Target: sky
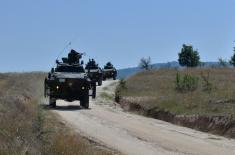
<point>33,33</point>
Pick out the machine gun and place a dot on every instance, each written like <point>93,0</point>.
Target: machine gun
<point>73,58</point>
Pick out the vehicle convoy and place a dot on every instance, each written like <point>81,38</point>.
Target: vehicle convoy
<point>94,72</point>
<point>68,81</point>
<point>109,71</point>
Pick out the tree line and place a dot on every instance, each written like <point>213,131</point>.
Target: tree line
<point>188,57</point>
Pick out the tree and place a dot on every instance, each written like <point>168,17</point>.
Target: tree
<point>222,62</point>
<point>145,63</point>
<point>188,56</point>
<point>232,60</point>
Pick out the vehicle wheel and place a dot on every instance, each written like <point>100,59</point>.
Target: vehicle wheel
<point>52,102</point>
<point>114,77</point>
<point>100,82</point>
<point>84,102</point>
<point>94,91</point>
<point>45,87</point>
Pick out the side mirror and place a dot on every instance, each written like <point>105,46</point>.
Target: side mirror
<point>82,62</point>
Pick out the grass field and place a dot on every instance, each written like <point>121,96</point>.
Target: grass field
<point>157,88</point>
<point>28,128</point>
<point>209,106</point>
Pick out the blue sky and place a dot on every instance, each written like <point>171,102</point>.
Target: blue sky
<point>33,32</point>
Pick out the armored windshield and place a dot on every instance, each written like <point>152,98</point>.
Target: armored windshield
<point>73,69</point>
<point>91,64</point>
<point>91,67</point>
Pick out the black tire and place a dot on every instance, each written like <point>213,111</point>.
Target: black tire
<point>84,102</point>
<point>114,77</point>
<point>45,87</point>
<point>94,91</point>
<point>52,102</point>
<point>100,82</point>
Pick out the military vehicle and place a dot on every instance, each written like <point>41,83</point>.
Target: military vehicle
<point>94,72</point>
<point>109,71</point>
<point>68,81</point>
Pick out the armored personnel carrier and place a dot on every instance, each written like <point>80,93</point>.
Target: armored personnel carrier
<point>109,71</point>
<point>68,81</point>
<point>94,72</point>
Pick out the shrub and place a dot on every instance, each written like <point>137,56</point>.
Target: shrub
<point>106,96</point>
<point>207,85</point>
<point>223,62</point>
<point>186,82</point>
<point>121,86</point>
<point>232,60</point>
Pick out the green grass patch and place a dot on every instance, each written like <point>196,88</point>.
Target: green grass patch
<point>105,88</point>
<point>214,93</point>
<point>106,96</point>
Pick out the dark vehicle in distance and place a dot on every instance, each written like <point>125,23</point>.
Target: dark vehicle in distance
<point>109,71</point>
<point>94,72</point>
<point>68,81</point>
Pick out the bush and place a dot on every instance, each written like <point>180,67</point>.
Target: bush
<point>207,85</point>
<point>121,86</point>
<point>223,62</point>
<point>232,60</point>
<point>186,82</point>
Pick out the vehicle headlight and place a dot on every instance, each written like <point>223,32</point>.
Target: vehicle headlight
<point>57,87</point>
<point>70,84</point>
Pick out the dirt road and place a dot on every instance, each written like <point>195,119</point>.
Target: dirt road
<point>132,134</point>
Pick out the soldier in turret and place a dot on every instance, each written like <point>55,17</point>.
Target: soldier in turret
<point>94,72</point>
<point>73,57</point>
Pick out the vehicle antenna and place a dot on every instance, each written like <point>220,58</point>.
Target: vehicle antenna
<point>66,46</point>
<point>62,51</point>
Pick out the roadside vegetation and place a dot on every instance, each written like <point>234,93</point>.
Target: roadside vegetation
<point>193,95</point>
<point>198,98</point>
<point>28,128</point>
<point>106,96</point>
<point>184,92</point>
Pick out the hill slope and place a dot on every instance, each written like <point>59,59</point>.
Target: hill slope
<point>210,107</point>
<point>127,72</point>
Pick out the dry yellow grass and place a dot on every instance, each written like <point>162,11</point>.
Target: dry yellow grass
<point>27,128</point>
<point>158,86</point>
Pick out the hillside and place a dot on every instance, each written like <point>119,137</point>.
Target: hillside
<point>127,72</point>
<point>154,94</point>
